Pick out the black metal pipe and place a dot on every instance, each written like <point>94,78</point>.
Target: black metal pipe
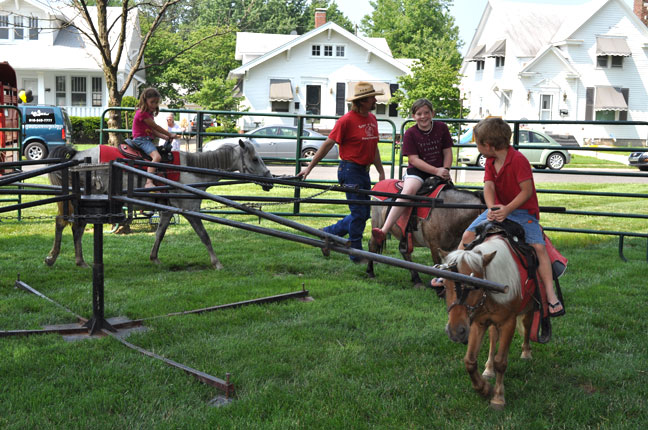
<point>252,211</point>
<point>35,203</point>
<point>481,283</point>
<point>9,179</point>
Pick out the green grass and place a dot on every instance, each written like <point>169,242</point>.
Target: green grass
<point>365,354</point>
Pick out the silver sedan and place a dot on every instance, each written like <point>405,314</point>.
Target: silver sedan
<point>269,144</point>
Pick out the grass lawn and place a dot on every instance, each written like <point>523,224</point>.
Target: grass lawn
<point>364,354</point>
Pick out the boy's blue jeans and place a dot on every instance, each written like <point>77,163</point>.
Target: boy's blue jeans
<point>351,174</point>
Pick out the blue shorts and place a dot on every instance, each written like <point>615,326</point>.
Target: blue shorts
<point>144,143</point>
<point>530,224</point>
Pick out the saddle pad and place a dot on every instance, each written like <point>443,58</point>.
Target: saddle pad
<point>394,186</point>
<point>110,153</point>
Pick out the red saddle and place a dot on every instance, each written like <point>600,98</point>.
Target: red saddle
<point>110,153</point>
<point>395,186</point>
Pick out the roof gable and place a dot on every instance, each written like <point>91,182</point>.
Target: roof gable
<point>304,38</point>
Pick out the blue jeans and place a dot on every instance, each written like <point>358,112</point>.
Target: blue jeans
<point>145,144</point>
<point>349,175</point>
<point>530,224</point>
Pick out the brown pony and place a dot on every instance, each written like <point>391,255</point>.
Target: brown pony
<point>442,229</point>
<point>472,310</point>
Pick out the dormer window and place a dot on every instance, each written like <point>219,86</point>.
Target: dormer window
<point>328,50</point>
<point>480,64</point>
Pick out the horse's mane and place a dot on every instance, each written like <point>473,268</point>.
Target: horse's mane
<point>502,269</point>
<point>222,158</point>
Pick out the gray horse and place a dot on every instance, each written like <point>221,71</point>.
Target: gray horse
<point>240,157</point>
<point>442,229</point>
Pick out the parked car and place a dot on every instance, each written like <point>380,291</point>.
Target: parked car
<point>207,121</point>
<point>44,128</point>
<point>553,158</point>
<point>639,160</point>
<point>269,146</point>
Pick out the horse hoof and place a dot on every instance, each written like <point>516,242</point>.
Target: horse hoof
<point>217,266</point>
<point>488,374</point>
<point>497,405</point>
<point>156,261</point>
<point>82,264</point>
<point>526,355</point>
<point>50,261</point>
<point>419,286</point>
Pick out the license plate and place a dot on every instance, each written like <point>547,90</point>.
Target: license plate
<point>633,159</point>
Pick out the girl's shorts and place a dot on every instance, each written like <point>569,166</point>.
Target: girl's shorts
<point>413,172</point>
<point>144,143</point>
<point>530,224</point>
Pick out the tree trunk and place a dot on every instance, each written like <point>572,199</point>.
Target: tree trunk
<point>114,116</point>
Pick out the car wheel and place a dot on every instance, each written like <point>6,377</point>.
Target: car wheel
<point>555,161</point>
<point>643,168</point>
<point>481,161</point>
<point>35,151</point>
<point>308,153</point>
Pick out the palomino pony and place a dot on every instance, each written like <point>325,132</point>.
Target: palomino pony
<point>472,310</point>
<point>442,229</point>
<point>240,157</point>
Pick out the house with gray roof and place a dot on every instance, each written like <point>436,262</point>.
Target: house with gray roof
<point>45,44</point>
<point>314,73</point>
<point>561,62</point>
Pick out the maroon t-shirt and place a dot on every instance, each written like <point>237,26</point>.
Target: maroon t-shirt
<point>428,145</point>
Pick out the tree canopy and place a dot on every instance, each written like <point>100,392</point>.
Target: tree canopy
<point>423,30</point>
<point>196,46</point>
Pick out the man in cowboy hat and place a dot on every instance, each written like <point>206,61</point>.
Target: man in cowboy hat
<point>356,133</point>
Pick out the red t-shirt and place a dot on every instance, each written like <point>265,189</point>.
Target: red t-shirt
<point>357,137</point>
<point>428,145</point>
<point>140,129</point>
<point>516,169</point>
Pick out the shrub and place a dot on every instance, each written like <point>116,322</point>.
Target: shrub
<point>85,130</point>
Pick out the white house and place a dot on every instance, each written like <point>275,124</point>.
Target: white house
<point>56,61</point>
<point>559,62</point>
<point>314,73</point>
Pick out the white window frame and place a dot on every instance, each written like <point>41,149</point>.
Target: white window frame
<point>97,91</point>
<point>33,28</point>
<point>5,27</point>
<point>549,110</point>
<point>60,83</point>
<point>328,50</point>
<point>19,30</point>
<point>75,91</point>
<point>609,62</point>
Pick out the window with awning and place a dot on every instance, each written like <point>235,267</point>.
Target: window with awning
<point>477,54</point>
<point>614,46</point>
<point>378,86</point>
<point>498,49</point>
<point>281,90</point>
<point>609,98</point>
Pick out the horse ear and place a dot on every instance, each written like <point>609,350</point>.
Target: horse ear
<point>241,143</point>
<point>443,253</point>
<point>488,258</point>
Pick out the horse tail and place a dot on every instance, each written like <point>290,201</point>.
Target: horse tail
<point>65,152</point>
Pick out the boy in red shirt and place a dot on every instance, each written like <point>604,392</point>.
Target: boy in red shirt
<point>510,193</point>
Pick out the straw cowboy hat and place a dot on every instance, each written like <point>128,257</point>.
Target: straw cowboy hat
<point>364,89</point>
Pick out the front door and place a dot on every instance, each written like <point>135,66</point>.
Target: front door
<point>313,99</point>
<point>31,84</point>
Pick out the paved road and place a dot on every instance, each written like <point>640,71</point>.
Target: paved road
<point>460,176</point>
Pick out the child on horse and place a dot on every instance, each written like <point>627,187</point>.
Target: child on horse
<point>510,193</point>
<point>428,147</point>
<point>145,128</point>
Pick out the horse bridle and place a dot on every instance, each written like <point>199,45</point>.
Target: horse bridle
<point>462,291</point>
